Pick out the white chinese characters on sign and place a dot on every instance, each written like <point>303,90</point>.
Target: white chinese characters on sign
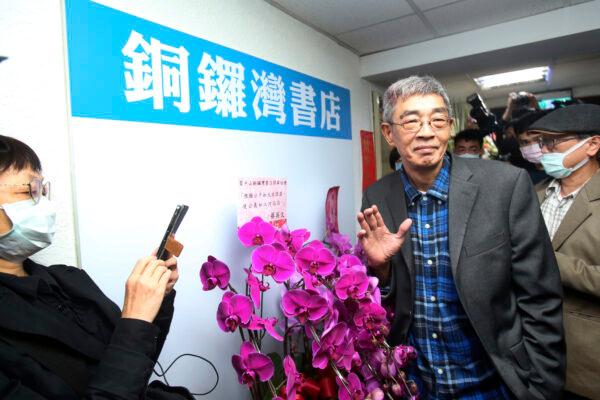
<point>156,71</point>
<point>269,98</point>
<point>330,116</point>
<point>221,86</point>
<point>303,104</point>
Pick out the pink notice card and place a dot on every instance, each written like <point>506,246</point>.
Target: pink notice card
<point>265,198</point>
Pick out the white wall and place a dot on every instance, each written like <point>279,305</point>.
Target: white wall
<point>129,176</point>
<point>33,104</point>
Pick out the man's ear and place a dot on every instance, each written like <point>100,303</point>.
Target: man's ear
<point>594,147</point>
<point>386,131</point>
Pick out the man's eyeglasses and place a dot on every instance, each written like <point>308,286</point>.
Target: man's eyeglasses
<point>415,125</point>
<point>37,189</point>
<point>550,142</point>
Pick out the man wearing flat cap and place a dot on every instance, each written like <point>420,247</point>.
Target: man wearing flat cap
<point>570,202</point>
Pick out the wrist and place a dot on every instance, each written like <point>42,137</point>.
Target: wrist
<point>381,272</point>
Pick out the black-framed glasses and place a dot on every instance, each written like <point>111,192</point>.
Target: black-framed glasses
<point>37,189</point>
<point>415,125</point>
<point>550,142</point>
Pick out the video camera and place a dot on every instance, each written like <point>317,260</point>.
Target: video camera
<point>485,119</point>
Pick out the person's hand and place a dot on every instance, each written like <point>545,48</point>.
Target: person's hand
<point>378,242</point>
<point>171,264</point>
<point>510,106</point>
<point>145,289</point>
<point>533,101</point>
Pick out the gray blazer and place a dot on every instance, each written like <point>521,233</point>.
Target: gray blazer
<point>504,269</point>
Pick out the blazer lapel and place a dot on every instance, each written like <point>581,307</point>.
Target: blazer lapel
<point>579,211</point>
<point>396,203</point>
<point>461,199</point>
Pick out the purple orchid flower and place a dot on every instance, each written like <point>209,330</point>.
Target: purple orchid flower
<point>269,261</point>
<point>374,291</point>
<point>403,354</point>
<point>304,305</point>
<point>214,273</point>
<point>340,243</point>
<point>370,316</point>
<point>234,310</point>
<point>258,324</point>
<point>256,287</point>
<point>349,262</point>
<point>352,285</point>
<point>251,365</point>
<point>292,241</point>
<point>315,259</point>
<point>256,232</point>
<point>335,345</point>
<point>293,378</point>
<point>356,387</point>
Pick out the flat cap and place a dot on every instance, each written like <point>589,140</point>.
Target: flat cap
<point>581,119</point>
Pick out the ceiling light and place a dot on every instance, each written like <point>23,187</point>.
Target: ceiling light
<point>511,78</point>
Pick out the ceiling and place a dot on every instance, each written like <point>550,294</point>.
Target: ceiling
<point>370,26</point>
<point>373,27</point>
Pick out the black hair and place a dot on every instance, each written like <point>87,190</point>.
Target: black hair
<point>523,123</point>
<point>469,134</point>
<point>394,156</point>
<point>16,155</point>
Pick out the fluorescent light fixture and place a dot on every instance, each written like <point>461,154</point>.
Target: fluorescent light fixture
<point>514,77</point>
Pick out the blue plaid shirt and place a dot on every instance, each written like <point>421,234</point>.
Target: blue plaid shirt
<point>452,362</point>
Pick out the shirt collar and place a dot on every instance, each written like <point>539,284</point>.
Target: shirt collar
<point>554,187</point>
<point>28,285</point>
<point>439,189</point>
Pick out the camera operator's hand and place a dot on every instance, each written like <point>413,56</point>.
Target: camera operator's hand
<point>533,101</point>
<point>510,106</point>
<point>378,242</point>
<point>145,289</point>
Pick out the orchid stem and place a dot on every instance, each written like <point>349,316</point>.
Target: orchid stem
<point>331,363</point>
<point>231,288</point>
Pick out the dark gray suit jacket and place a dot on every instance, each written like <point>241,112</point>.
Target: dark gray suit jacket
<point>503,266</point>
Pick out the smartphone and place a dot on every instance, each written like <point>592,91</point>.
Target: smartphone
<point>176,219</point>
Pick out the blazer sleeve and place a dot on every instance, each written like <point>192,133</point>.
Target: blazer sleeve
<point>579,275</point>
<point>538,289</point>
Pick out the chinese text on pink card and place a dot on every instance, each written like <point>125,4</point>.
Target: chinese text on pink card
<point>265,198</point>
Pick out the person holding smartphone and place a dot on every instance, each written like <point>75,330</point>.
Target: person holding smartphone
<point>60,336</point>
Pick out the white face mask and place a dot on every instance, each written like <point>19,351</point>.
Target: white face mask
<point>33,229</point>
<point>468,155</point>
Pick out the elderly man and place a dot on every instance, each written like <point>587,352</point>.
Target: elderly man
<point>570,142</point>
<point>462,245</point>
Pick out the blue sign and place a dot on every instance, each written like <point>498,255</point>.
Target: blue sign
<point>126,68</point>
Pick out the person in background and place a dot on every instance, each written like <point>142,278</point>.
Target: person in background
<point>570,203</point>
<point>517,105</point>
<point>468,143</point>
<point>461,249</point>
<point>529,145</point>
<point>60,336</point>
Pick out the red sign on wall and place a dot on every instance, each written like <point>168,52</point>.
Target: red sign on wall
<point>368,158</point>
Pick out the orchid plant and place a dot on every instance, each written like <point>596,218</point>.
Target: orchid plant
<point>329,304</point>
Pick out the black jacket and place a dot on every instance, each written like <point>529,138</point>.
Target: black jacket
<point>45,356</point>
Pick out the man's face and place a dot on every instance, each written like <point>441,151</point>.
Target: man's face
<point>467,146</point>
<point>528,138</point>
<point>424,149</point>
<point>13,188</point>
<point>563,142</point>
